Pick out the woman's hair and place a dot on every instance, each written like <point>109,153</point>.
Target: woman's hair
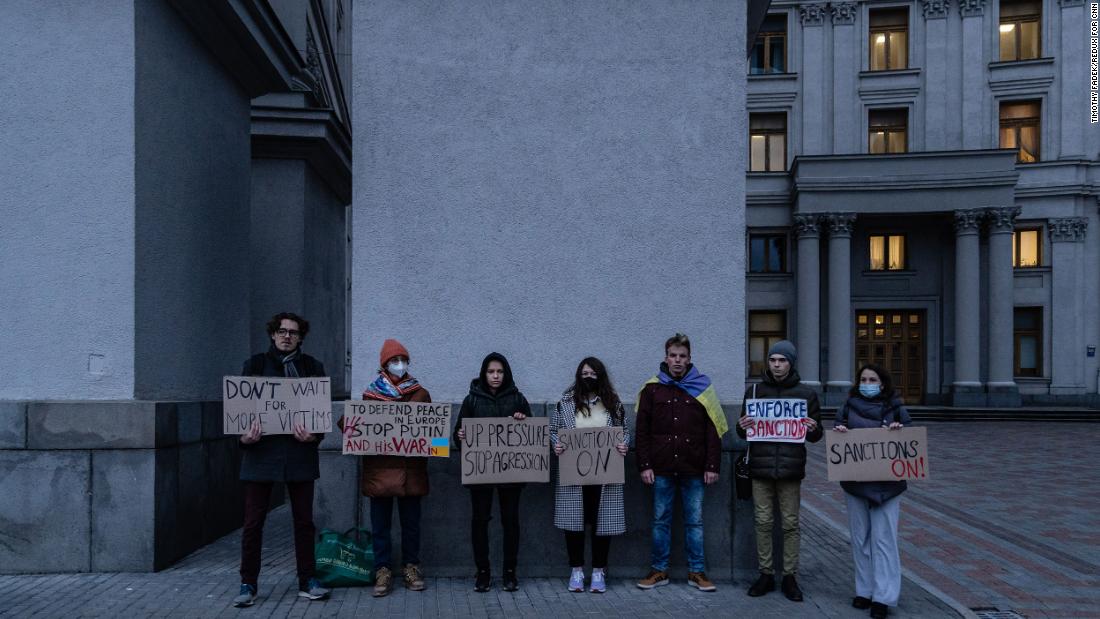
<point>883,377</point>
<point>604,389</point>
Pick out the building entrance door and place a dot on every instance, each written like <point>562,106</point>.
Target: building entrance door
<point>894,339</point>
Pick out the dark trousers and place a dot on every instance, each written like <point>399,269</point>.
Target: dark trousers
<point>481,498</point>
<point>381,523</point>
<point>257,498</point>
<point>574,540</point>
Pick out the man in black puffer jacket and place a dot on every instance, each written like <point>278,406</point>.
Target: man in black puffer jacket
<point>777,470</point>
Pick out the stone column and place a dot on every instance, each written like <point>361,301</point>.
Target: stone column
<point>1067,236</point>
<point>1002,389</point>
<point>967,386</point>
<point>973,72</point>
<point>1073,96</point>
<point>814,122</point>
<point>840,304</point>
<point>808,277</point>
<point>935,71</point>
<point>848,136</point>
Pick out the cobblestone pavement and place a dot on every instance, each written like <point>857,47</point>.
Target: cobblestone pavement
<point>1007,520</point>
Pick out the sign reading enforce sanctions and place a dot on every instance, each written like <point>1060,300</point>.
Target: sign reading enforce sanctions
<point>778,420</point>
<point>590,457</point>
<point>877,454</point>
<point>277,403</point>
<point>500,450</point>
<point>376,428</point>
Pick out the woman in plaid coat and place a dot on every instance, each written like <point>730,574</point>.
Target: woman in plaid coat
<point>591,402</point>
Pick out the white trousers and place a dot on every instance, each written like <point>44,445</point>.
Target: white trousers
<point>875,548</point>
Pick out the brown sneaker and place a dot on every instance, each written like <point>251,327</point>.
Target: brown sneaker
<point>656,578</point>
<point>700,581</point>
<point>383,582</point>
<point>414,580</point>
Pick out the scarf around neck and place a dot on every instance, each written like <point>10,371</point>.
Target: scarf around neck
<point>382,388</point>
<point>697,385</point>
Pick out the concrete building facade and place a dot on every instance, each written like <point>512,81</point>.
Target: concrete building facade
<point>922,193</point>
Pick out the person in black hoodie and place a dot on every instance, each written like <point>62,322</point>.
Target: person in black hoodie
<point>873,506</point>
<point>777,470</point>
<point>494,394</point>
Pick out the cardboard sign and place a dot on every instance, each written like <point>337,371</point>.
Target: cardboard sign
<point>278,404</point>
<point>590,457</point>
<point>411,429</point>
<point>776,419</point>
<point>500,450</point>
<point>877,454</point>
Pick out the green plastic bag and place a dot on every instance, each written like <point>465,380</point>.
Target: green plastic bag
<point>344,559</point>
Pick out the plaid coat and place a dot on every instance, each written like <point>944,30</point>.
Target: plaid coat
<point>568,500</point>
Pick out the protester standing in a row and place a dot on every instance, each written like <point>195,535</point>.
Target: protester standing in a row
<point>271,458</point>
<point>777,470</point>
<point>873,506</point>
<point>591,402</point>
<point>494,394</point>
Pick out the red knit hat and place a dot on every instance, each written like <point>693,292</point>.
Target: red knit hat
<point>391,349</point>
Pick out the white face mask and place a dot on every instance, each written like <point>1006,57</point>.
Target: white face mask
<point>397,368</point>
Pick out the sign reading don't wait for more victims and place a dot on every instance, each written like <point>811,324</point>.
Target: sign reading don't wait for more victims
<point>411,429</point>
<point>277,403</point>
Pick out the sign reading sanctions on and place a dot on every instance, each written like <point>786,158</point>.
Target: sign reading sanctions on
<point>778,420</point>
<point>397,428</point>
<point>278,404</point>
<point>877,454</point>
<point>499,450</point>
<point>590,457</point>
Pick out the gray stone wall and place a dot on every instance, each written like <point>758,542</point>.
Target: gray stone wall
<point>548,180</point>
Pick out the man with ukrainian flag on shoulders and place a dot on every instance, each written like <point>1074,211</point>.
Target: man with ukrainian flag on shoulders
<point>678,441</point>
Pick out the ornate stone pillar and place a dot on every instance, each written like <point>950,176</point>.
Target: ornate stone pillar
<point>1073,98</point>
<point>808,278</point>
<point>840,304</point>
<point>812,17</point>
<point>1002,389</point>
<point>848,135</point>
<point>967,386</point>
<point>973,72</point>
<point>935,71</point>
<point>1067,236</point>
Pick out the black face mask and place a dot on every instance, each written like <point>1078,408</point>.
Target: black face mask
<point>589,384</point>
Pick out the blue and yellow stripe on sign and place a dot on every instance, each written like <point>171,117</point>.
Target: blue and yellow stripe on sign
<point>441,447</point>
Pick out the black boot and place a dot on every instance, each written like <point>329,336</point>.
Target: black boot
<point>483,582</point>
<point>790,588</point>
<point>879,611</point>
<point>764,584</point>
<point>510,582</point>
<point>861,602</point>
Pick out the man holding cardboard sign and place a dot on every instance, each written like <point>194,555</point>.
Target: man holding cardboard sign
<point>289,458</point>
<point>777,417</point>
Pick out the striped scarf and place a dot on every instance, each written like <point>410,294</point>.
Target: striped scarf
<point>383,388</point>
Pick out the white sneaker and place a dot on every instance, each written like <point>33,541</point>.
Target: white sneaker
<point>576,581</point>
<point>598,584</point>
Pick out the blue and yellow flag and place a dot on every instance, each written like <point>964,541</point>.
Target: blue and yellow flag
<point>697,385</point>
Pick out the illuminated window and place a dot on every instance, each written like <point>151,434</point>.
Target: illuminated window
<point>887,131</point>
<point>767,253</point>
<point>1027,248</point>
<point>887,252</point>
<point>767,142</point>
<point>1020,129</point>
<point>1020,20</point>
<point>889,39</point>
<point>769,54</point>
<point>1027,336</point>
<point>765,328</point>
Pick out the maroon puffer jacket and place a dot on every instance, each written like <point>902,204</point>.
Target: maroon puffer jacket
<point>674,434</point>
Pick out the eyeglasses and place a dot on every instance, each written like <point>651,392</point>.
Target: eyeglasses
<point>288,332</point>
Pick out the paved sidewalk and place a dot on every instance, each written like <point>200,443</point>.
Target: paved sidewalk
<point>204,584</point>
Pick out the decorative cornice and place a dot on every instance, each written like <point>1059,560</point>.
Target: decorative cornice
<point>806,225</point>
<point>1067,229</point>
<point>1002,220</point>
<point>310,134</point>
<point>968,221</point>
<point>971,8</point>
<point>843,13</point>
<point>811,14</point>
<point>935,9</point>
<point>840,224</point>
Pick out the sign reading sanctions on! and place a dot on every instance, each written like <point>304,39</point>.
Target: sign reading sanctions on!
<point>877,454</point>
<point>500,450</point>
<point>778,420</point>
<point>374,428</point>
<point>590,457</point>
<point>278,404</point>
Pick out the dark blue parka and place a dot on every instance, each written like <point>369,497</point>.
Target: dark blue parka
<point>861,412</point>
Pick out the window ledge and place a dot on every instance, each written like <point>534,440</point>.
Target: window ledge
<point>766,173</point>
<point>768,77</point>
<point>997,64</point>
<point>1032,380</point>
<point>768,276</point>
<point>889,72</point>
<point>876,273</point>
<point>1030,270</point>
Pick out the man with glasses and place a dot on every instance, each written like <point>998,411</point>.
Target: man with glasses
<point>288,458</point>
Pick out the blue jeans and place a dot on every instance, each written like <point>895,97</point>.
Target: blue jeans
<point>691,495</point>
<point>381,522</point>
